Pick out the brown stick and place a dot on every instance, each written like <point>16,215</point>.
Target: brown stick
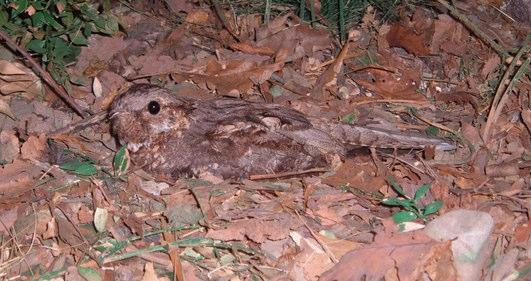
<point>224,23</point>
<point>475,29</point>
<point>60,91</point>
<point>96,118</point>
<point>502,91</point>
<point>287,174</point>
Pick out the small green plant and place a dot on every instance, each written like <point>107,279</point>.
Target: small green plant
<point>81,165</point>
<point>121,161</point>
<point>412,209</point>
<point>85,166</point>
<point>54,29</point>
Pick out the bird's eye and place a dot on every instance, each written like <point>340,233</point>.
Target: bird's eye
<point>153,107</point>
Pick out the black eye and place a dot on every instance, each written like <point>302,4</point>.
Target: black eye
<point>153,107</point>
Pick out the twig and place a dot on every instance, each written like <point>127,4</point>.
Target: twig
<point>415,102</point>
<point>502,12</point>
<point>325,248</point>
<point>439,80</point>
<point>60,91</point>
<point>434,124</point>
<point>277,80</point>
<point>403,161</point>
<point>472,27</point>
<point>219,13</point>
<point>96,118</point>
<point>287,174</point>
<point>501,93</point>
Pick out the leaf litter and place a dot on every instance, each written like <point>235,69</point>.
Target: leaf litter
<point>73,207</point>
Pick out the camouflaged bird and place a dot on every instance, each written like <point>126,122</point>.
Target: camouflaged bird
<point>171,136</point>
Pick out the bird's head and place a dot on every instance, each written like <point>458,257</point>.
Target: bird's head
<point>147,112</point>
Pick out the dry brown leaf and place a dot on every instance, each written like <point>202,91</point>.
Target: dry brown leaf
<point>13,68</point>
<point>17,178</point>
<point>339,247</point>
<point>328,78</point>
<point>8,216</point>
<point>490,65</point>
<point>34,147</point>
<point>502,170</point>
<point>526,116</point>
<point>355,174</point>
<point>236,78</point>
<point>197,16</point>
<point>6,109</point>
<point>249,48</point>
<point>149,273</point>
<point>287,35</point>
<point>17,78</point>
<point>9,146</point>
<point>413,35</point>
<point>257,230</point>
<point>311,262</point>
<point>408,252</point>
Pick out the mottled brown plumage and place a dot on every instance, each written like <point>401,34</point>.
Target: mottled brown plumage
<point>172,136</point>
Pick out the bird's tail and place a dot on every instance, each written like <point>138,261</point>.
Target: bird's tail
<point>380,138</point>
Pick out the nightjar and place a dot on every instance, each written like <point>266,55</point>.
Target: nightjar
<point>172,137</point>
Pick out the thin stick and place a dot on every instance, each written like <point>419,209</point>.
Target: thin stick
<point>60,91</point>
<point>434,124</point>
<point>415,102</point>
<point>325,248</point>
<point>505,97</point>
<point>472,27</point>
<point>96,118</point>
<point>496,102</point>
<point>287,174</point>
<point>219,13</point>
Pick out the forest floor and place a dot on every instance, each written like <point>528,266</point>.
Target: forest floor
<point>68,211</point>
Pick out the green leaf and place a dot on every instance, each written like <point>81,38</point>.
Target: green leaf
<point>4,16</point>
<point>87,30</point>
<point>421,192</point>
<point>393,201</point>
<point>80,166</point>
<point>63,51</point>
<point>68,19</point>
<point>432,131</point>
<point>37,5</point>
<point>37,20</point>
<point>396,187</point>
<point>404,216</point>
<point>89,274</point>
<point>349,118</point>
<point>78,38</point>
<point>121,161</point>
<point>21,6</point>
<point>432,208</point>
<point>107,25</point>
<point>36,46</point>
<point>89,12</point>
<point>48,18</point>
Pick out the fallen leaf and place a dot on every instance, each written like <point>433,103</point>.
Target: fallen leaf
<point>197,16</point>
<point>97,88</point>
<point>406,252</point>
<point>6,109</point>
<point>13,68</point>
<point>34,147</point>
<point>9,146</point>
<point>149,273</point>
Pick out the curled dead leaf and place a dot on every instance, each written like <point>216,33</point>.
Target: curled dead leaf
<point>6,109</point>
<point>12,68</point>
